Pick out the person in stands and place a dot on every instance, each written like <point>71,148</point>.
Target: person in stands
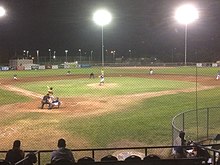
<point>15,154</point>
<point>62,153</point>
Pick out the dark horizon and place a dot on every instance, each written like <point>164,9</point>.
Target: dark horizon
<point>146,27</point>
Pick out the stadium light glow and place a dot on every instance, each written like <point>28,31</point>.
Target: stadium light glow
<point>102,17</point>
<point>186,14</point>
<point>2,11</point>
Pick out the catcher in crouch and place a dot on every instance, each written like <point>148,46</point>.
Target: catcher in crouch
<point>46,100</point>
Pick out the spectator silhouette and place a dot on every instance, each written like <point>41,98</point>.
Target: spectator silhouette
<point>180,142</point>
<point>15,154</point>
<point>62,153</point>
<point>31,158</point>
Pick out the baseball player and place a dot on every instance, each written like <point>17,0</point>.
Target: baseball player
<point>218,75</point>
<point>151,71</point>
<point>15,77</point>
<point>50,91</point>
<point>92,75</point>
<point>101,80</point>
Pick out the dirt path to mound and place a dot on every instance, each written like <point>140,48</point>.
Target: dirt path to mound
<point>21,91</point>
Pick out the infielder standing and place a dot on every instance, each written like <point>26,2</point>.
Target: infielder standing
<point>101,80</point>
<point>218,75</point>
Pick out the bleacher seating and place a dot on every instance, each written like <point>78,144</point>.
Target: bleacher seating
<point>109,158</point>
<point>151,157</point>
<point>133,158</point>
<point>61,162</point>
<point>85,160</point>
<point>187,161</point>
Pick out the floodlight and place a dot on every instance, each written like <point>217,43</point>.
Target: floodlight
<point>102,17</point>
<point>2,11</point>
<point>186,14</point>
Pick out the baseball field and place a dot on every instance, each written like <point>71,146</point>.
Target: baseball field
<point>131,109</point>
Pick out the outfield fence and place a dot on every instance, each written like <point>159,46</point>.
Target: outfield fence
<point>198,125</point>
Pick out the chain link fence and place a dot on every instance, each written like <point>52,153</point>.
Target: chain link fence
<point>199,125</point>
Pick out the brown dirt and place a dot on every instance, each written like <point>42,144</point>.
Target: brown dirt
<point>79,106</point>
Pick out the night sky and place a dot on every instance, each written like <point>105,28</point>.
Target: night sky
<point>146,27</point>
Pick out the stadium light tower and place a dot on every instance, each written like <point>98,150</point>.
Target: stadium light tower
<point>66,51</point>
<point>38,57</point>
<point>186,14</point>
<point>49,54</point>
<point>102,17</point>
<point>80,55</point>
<point>2,11</point>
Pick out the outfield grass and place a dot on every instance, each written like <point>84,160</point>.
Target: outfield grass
<point>148,122</point>
<point>205,71</point>
<point>118,86</point>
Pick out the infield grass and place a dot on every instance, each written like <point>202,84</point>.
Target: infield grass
<point>7,97</point>
<point>113,86</point>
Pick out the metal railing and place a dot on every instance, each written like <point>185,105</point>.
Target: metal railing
<point>95,153</point>
<point>43,156</point>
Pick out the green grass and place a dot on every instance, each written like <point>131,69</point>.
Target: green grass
<point>148,122</point>
<point>205,71</point>
<point>7,97</point>
<point>121,86</point>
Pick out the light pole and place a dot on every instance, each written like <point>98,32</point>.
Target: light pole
<point>27,53</point>
<point>91,52</point>
<point>129,53</point>
<point>49,54</point>
<point>66,51</point>
<point>38,56</point>
<point>102,17</point>
<point>186,14</point>
<point>173,50</point>
<point>24,54</point>
<point>80,54</point>
<point>54,55</point>
<point>113,55</point>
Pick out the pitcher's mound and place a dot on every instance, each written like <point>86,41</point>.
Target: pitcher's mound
<point>105,85</point>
